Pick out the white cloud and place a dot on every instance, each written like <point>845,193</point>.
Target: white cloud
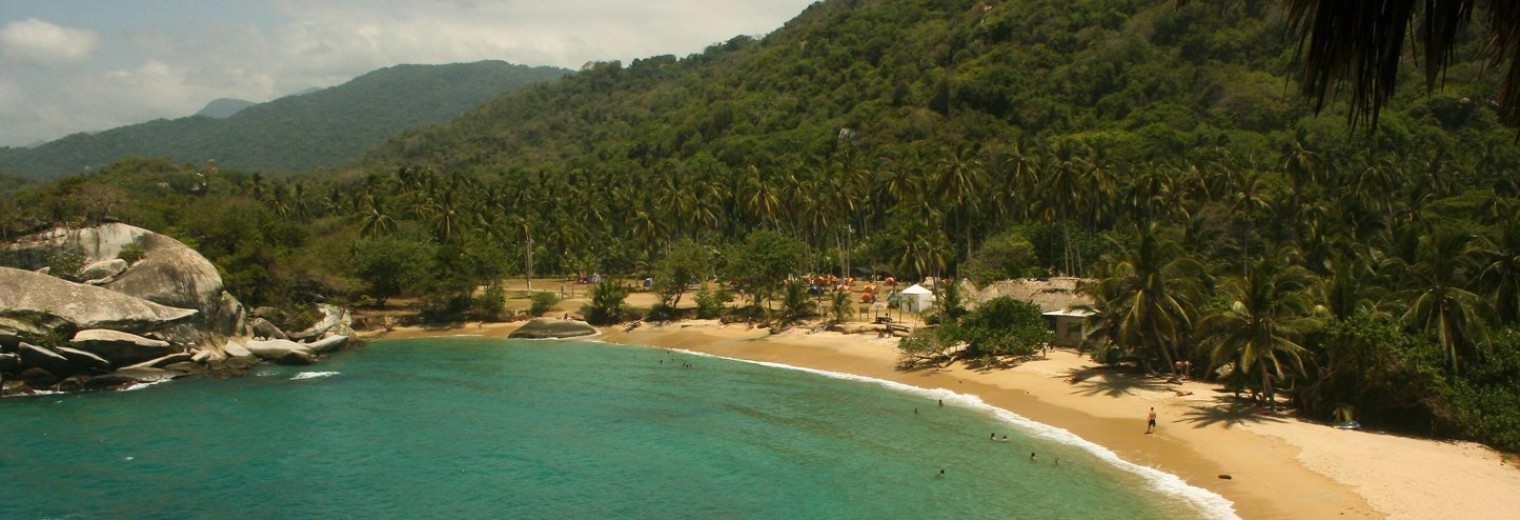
<point>43,43</point>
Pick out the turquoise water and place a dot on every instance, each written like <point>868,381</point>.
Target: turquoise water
<point>505,429</point>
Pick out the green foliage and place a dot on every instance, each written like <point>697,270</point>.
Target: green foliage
<point>1002,256</point>
<point>606,305</point>
<point>950,302</point>
<point>390,266</point>
<point>131,253</point>
<point>795,302</point>
<point>541,302</point>
<point>66,262</point>
<point>923,344</point>
<point>686,262</point>
<point>1001,326</point>
<point>490,303</point>
<point>763,261</point>
<point>710,303</point>
<point>841,306</point>
<point>1487,396</point>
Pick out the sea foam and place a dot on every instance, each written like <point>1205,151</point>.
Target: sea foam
<point>312,375</point>
<point>1207,503</point>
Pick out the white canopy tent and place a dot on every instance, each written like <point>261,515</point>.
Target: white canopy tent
<point>916,299</point>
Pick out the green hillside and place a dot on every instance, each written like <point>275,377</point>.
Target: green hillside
<point>325,128</point>
<point>1161,150</point>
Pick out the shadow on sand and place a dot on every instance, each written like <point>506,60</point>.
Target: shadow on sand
<point>1229,412</point>
<point>1116,381</point>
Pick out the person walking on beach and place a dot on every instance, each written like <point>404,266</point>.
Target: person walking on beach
<point>1150,424</point>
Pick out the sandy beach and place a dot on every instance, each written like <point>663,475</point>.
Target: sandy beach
<point>1280,467</point>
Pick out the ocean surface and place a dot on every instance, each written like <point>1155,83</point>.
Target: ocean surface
<point>470,428</point>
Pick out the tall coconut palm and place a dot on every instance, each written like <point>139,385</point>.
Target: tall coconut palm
<point>1149,295</point>
<point>377,221</point>
<point>1458,317</point>
<point>1362,43</point>
<point>1501,271</point>
<point>1270,312</point>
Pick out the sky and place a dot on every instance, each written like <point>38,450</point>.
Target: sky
<point>69,66</point>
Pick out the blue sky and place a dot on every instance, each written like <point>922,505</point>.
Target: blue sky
<point>70,66</point>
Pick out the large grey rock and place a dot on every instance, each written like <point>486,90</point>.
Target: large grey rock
<point>327,344</point>
<point>170,273</point>
<point>553,328</point>
<point>129,376</point>
<point>262,328</point>
<point>282,351</point>
<point>10,363</point>
<point>335,320</point>
<point>103,270</point>
<point>236,350</point>
<point>13,332</point>
<point>33,356</point>
<point>85,361</point>
<point>177,357</point>
<point>120,348</point>
<point>173,274</point>
<point>57,302</point>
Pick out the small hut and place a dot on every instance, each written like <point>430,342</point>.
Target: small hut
<point>1069,325</point>
<point>916,299</point>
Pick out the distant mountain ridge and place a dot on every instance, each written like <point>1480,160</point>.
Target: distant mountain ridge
<point>222,108</point>
<point>322,127</point>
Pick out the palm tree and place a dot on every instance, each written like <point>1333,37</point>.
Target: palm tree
<point>1148,297</point>
<point>377,222</point>
<point>1269,314</point>
<point>1362,43</point>
<point>1501,271</point>
<point>1458,317</point>
<point>841,307</point>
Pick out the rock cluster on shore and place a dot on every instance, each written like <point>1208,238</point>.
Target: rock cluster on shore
<point>158,313</point>
<point>553,328</point>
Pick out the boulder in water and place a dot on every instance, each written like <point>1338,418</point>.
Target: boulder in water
<point>335,320</point>
<point>177,357</point>
<point>236,350</point>
<point>120,348</point>
<point>553,328</point>
<point>282,351</point>
<point>327,344</point>
<point>262,328</point>
<point>85,362</point>
<point>54,363</point>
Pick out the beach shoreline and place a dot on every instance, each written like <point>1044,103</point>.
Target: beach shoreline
<point>1279,467</point>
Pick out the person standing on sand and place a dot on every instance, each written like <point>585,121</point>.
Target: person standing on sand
<point>1150,424</point>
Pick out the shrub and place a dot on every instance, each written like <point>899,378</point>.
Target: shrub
<point>491,302</point>
<point>606,305</point>
<point>131,253</point>
<point>710,303</point>
<point>1002,326</point>
<point>66,263</point>
<point>542,302</point>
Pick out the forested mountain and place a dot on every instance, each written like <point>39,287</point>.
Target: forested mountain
<point>1159,149</point>
<point>328,127</point>
<point>224,107</point>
